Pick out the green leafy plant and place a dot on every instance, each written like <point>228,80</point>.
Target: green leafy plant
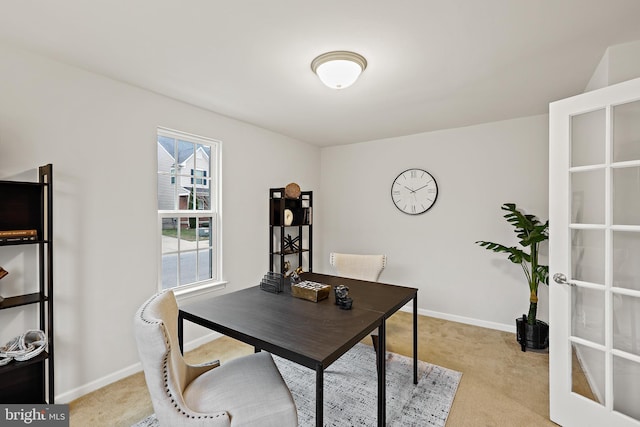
<point>531,232</point>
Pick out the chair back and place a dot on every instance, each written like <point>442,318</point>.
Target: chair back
<point>156,332</point>
<point>354,266</point>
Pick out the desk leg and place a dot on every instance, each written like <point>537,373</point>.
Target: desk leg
<point>181,332</point>
<point>415,339</point>
<point>319,395</point>
<point>382,367</point>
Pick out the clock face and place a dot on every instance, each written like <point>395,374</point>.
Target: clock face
<point>414,191</point>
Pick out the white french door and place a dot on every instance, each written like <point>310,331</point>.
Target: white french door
<point>594,257</point>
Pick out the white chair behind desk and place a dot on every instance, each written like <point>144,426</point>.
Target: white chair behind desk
<point>361,267</point>
<point>246,391</point>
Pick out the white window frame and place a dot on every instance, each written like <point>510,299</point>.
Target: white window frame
<point>215,212</point>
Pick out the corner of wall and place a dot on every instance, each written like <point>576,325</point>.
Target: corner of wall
<point>619,63</point>
<point>600,77</point>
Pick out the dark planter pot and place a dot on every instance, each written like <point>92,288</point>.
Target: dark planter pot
<point>532,336</point>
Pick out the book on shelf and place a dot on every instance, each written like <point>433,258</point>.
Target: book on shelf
<point>18,235</point>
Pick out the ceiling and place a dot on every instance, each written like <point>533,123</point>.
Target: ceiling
<point>431,64</point>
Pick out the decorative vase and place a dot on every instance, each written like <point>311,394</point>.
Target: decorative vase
<point>532,336</point>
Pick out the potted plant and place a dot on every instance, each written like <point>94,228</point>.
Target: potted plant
<point>531,332</point>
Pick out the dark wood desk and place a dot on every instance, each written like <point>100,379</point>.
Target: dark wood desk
<point>311,334</point>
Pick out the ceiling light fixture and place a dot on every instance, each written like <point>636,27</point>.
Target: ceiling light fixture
<point>339,69</point>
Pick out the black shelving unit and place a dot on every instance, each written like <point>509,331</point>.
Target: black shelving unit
<point>28,206</point>
<point>301,228</point>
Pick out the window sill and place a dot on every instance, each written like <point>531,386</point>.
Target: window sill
<point>186,294</point>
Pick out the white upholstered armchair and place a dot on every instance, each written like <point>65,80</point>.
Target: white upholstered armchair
<point>361,267</point>
<point>247,391</point>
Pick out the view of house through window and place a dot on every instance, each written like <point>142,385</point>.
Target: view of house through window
<point>188,208</point>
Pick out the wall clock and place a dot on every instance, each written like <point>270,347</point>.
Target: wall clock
<point>414,191</point>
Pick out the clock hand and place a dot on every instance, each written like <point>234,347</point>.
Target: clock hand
<point>421,187</point>
<point>413,191</point>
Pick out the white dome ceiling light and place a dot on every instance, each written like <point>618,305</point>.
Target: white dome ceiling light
<point>339,69</point>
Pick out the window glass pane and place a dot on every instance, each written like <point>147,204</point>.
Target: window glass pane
<point>184,163</point>
<point>166,173</point>
<point>204,231</point>
<point>204,264</point>
<point>170,242</point>
<point>587,138</point>
<point>187,267</point>
<point>166,154</point>
<point>203,195</point>
<point>626,196</point>
<point>626,132</point>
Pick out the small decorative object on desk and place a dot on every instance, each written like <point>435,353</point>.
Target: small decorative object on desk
<point>312,291</point>
<point>295,275</point>
<point>342,297</point>
<point>272,282</point>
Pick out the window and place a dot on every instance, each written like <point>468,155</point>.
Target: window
<point>188,209</point>
<point>199,175</point>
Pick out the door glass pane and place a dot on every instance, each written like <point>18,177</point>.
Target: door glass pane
<point>587,138</point>
<point>626,323</point>
<point>626,132</point>
<point>626,253</point>
<point>587,314</point>
<point>626,387</point>
<point>587,197</point>
<point>626,196</point>
<point>584,356</point>
<point>587,255</point>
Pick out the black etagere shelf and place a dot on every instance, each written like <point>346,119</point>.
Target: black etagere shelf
<point>29,206</point>
<point>290,241</point>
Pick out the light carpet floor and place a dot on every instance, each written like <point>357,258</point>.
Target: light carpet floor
<point>501,385</point>
<point>350,391</point>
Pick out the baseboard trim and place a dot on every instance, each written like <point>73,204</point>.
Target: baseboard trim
<point>123,373</point>
<point>461,319</point>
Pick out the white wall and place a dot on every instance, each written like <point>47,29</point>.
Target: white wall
<point>477,169</point>
<point>100,136</point>
<point>619,63</point>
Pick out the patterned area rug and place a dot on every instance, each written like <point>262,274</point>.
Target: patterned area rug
<point>350,391</point>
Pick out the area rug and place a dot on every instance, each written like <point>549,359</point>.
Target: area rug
<point>350,391</point>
